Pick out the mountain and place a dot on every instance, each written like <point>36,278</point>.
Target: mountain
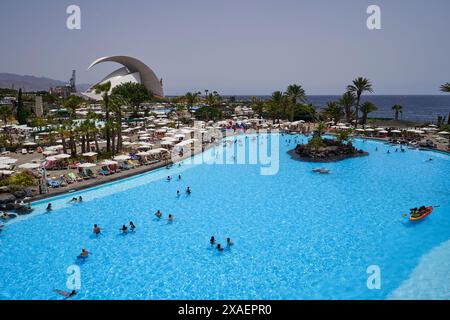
<point>32,83</point>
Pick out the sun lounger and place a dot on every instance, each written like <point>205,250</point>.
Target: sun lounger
<point>90,173</point>
<point>74,177</point>
<point>104,172</point>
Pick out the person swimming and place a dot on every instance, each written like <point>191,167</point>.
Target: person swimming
<point>179,177</point>
<point>96,230</point>
<point>132,226</point>
<point>74,200</point>
<point>219,247</point>
<point>158,214</point>
<point>84,254</point>
<point>388,151</point>
<point>169,178</point>
<point>66,294</point>
<point>229,242</point>
<point>80,199</point>
<point>188,190</point>
<point>49,207</point>
<point>212,241</point>
<point>178,193</point>
<point>170,219</point>
<point>124,229</point>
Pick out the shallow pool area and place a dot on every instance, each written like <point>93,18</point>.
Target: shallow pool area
<point>296,234</point>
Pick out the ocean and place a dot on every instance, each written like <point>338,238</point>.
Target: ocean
<point>424,108</point>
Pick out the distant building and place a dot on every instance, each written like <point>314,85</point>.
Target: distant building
<point>8,101</point>
<point>67,90</point>
<point>133,70</point>
<point>38,106</point>
<point>61,91</point>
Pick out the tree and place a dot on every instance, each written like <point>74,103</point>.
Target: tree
<point>22,114</point>
<point>134,93</point>
<point>277,105</point>
<point>334,111</point>
<point>366,108</point>
<point>343,135</point>
<point>73,103</point>
<point>347,101</point>
<point>359,86</point>
<point>321,128</point>
<point>212,99</point>
<point>5,114</point>
<point>39,123</point>
<point>445,87</point>
<point>296,94</point>
<point>190,99</point>
<point>208,113</point>
<point>117,102</point>
<point>257,105</point>
<point>103,89</point>
<point>398,109</point>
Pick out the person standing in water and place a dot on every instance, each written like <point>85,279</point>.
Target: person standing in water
<point>96,230</point>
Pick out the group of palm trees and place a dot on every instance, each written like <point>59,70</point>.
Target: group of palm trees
<point>285,105</point>
<point>115,102</point>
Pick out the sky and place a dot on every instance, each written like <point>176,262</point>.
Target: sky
<point>236,47</point>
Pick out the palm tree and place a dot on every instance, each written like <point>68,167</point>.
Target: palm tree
<point>212,99</point>
<point>116,104</point>
<point>321,128</point>
<point>190,99</point>
<point>277,104</point>
<point>445,87</point>
<point>366,108</point>
<point>347,101</point>
<point>398,109</point>
<point>257,105</point>
<point>359,86</point>
<point>64,134</point>
<point>295,94</point>
<point>103,89</point>
<point>334,111</point>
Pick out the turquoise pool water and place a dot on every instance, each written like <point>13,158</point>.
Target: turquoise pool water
<point>297,235</point>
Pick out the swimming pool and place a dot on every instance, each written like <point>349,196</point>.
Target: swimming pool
<point>297,235</point>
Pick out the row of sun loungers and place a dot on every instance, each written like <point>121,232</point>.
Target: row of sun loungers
<point>87,173</point>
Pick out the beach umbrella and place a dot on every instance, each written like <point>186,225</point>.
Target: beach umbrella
<point>157,150</point>
<point>369,130</point>
<point>89,154</point>
<point>48,153</point>
<point>121,157</point>
<point>29,144</point>
<point>143,154</point>
<point>4,166</point>
<point>86,165</point>
<point>62,156</point>
<point>51,158</point>
<point>7,160</point>
<point>433,126</point>
<point>396,131</point>
<point>29,165</point>
<point>444,133</point>
<point>383,131</point>
<point>108,163</point>
<point>6,172</point>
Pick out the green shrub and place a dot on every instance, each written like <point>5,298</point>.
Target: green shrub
<point>23,179</point>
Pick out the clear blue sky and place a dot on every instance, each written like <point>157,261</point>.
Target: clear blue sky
<point>236,46</point>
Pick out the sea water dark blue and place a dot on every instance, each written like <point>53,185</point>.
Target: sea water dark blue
<point>424,108</point>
